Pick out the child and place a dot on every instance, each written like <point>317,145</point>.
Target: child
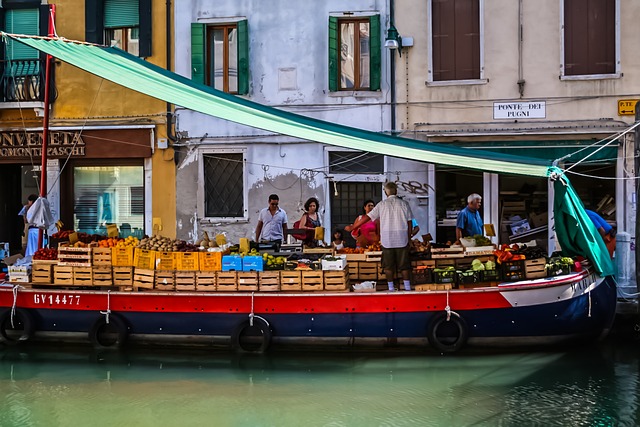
<point>338,242</point>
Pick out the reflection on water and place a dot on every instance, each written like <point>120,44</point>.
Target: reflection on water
<point>581,387</point>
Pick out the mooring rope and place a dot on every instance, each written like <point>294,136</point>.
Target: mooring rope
<point>251,314</point>
<point>15,300</point>
<point>448,309</point>
<point>108,312</point>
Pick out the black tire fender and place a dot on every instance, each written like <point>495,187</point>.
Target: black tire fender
<point>260,332</point>
<point>453,338</point>
<point>105,335</point>
<point>22,318</point>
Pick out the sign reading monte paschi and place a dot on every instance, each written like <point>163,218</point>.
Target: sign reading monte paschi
<point>21,145</point>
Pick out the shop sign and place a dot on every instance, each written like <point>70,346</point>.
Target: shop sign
<point>520,110</point>
<point>20,144</point>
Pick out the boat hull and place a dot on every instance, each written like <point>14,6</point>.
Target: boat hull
<point>540,312</point>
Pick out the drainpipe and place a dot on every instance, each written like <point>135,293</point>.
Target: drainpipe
<point>392,74</point>
<point>637,184</point>
<point>170,134</point>
<point>520,42</point>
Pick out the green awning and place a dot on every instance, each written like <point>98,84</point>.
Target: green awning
<point>132,72</point>
<point>569,150</point>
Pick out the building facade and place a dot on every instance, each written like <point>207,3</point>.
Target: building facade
<point>108,156</point>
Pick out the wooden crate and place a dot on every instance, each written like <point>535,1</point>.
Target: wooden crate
<point>210,261</point>
<point>143,278</point>
<point>269,281</point>
<point>165,280</point>
<point>427,263</point>
<point>373,256</point>
<point>227,281</point>
<point>248,281</point>
<point>102,275</point>
<point>434,287</point>
<point>290,280</point>
<point>122,256</point>
<point>42,271</point>
<point>122,276</point>
<point>165,261</point>
<point>206,281</point>
<point>185,280</point>
<point>70,256</point>
<point>368,271</point>
<point>83,276</point>
<point>312,281</point>
<point>63,274</point>
<point>101,257</point>
<point>144,259</point>
<point>187,261</point>
<point>535,268</point>
<point>352,267</point>
<point>336,280</point>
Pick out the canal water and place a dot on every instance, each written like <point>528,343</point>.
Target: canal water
<point>596,385</point>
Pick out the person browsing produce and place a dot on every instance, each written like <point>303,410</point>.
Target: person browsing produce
<point>469,221</point>
<point>369,232</point>
<point>395,232</point>
<point>605,230</point>
<point>310,220</point>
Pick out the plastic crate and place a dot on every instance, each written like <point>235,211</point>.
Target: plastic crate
<point>445,276</point>
<point>467,277</point>
<point>513,266</point>
<point>513,276</point>
<point>490,275</point>
<point>559,270</point>
<point>421,276</point>
<point>252,263</point>
<point>231,263</point>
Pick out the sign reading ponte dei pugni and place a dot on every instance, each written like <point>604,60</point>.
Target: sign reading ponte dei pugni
<point>520,110</point>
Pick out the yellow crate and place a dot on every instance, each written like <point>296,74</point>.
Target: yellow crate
<point>206,281</point>
<point>290,280</point>
<point>144,259</point>
<point>165,280</point>
<point>312,280</point>
<point>122,256</point>
<point>269,281</point>
<point>227,281</point>
<point>102,276</point>
<point>185,280</point>
<point>248,281</point>
<point>122,276</point>
<point>101,257</point>
<point>187,261</point>
<point>210,261</point>
<point>336,280</point>
<point>143,278</point>
<point>165,261</point>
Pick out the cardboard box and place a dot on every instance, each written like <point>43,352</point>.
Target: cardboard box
<point>335,265</point>
<point>539,220</point>
<point>520,227</point>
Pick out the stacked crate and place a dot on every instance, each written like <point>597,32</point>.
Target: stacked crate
<point>187,264</point>
<point>101,267</point>
<point>122,262</point>
<point>42,271</point>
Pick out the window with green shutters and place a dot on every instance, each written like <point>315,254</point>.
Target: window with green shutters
<point>22,60</point>
<point>220,56</point>
<point>121,24</point>
<point>354,53</point>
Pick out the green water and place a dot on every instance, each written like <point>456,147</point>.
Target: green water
<point>590,386</point>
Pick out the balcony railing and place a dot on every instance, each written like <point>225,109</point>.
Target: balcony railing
<point>22,80</point>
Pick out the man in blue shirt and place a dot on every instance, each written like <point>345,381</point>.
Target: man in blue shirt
<point>469,221</point>
<point>606,231</point>
<point>272,222</point>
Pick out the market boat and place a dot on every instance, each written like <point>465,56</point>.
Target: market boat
<point>545,311</point>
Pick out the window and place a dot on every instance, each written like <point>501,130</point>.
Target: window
<point>590,37</point>
<point>354,53</point>
<point>125,24</point>
<point>455,40</point>
<point>224,184</point>
<point>220,56</point>
<point>355,162</point>
<point>109,195</point>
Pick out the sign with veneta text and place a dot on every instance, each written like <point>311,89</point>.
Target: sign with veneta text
<point>520,110</point>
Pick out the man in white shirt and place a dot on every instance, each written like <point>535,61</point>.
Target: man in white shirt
<point>395,232</point>
<point>272,222</point>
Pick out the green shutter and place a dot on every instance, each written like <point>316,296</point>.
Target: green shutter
<point>375,64</point>
<point>22,21</point>
<point>121,13</point>
<point>333,53</point>
<point>197,52</point>
<point>243,58</point>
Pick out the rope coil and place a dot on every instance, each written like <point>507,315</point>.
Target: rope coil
<point>15,300</point>
<point>108,312</point>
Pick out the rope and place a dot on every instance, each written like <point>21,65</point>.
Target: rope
<point>251,314</point>
<point>15,300</point>
<point>589,315</point>
<point>448,309</point>
<point>108,312</point>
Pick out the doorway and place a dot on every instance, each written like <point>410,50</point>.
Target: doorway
<point>11,202</point>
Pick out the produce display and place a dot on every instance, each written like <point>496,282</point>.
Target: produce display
<point>46,254</point>
<point>166,244</point>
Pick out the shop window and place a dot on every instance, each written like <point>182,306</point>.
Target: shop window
<point>224,185</point>
<point>125,24</point>
<point>109,195</point>
<point>453,186</point>
<point>354,53</point>
<point>590,37</point>
<point>220,56</point>
<point>456,40</point>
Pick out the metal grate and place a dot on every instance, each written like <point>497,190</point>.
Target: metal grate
<point>355,162</point>
<point>346,207</point>
<point>223,185</point>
